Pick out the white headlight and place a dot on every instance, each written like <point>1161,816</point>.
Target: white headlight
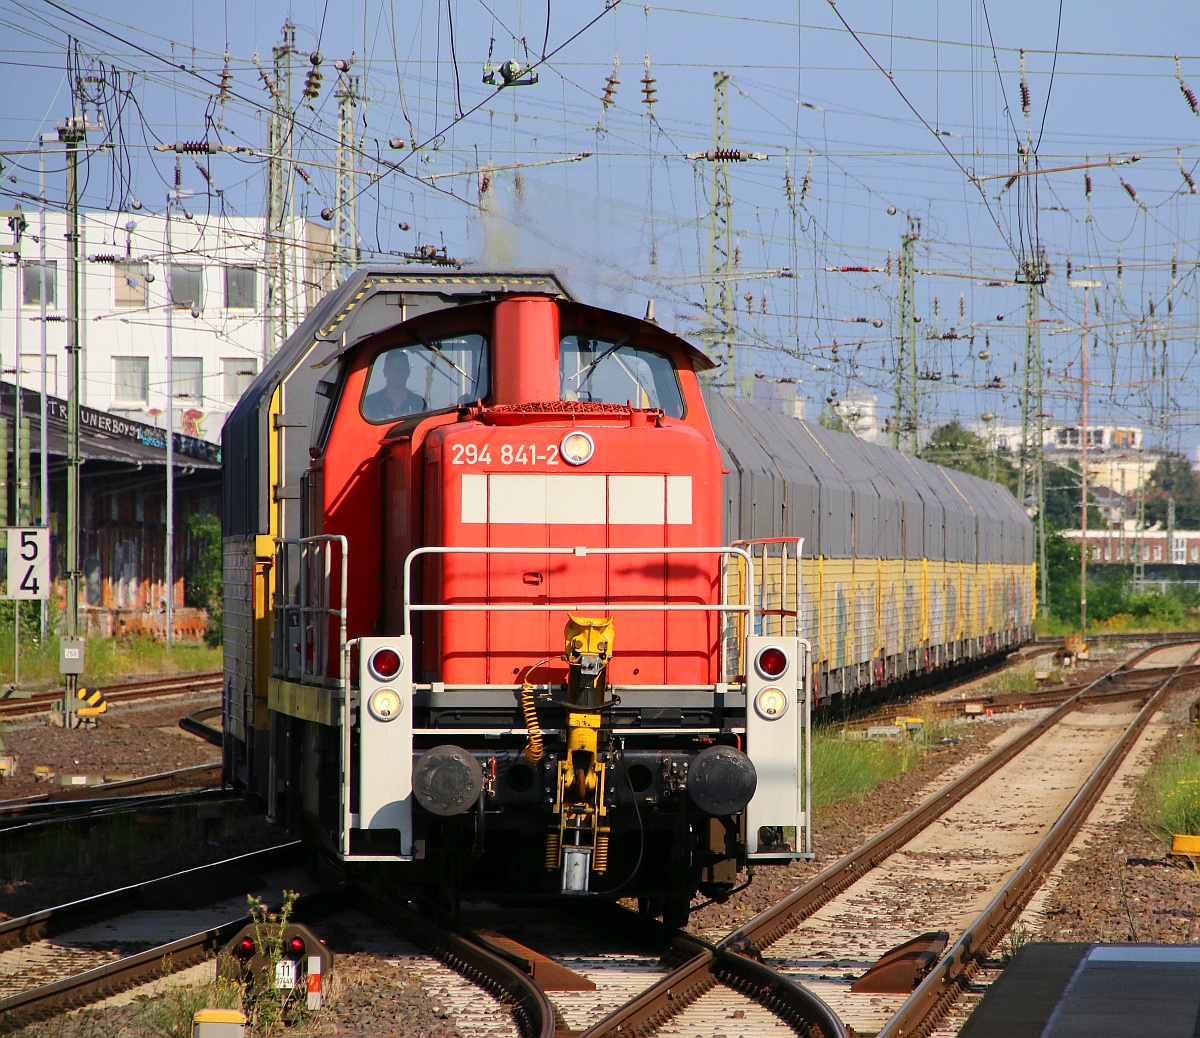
<point>576,448</point>
<point>384,704</point>
<point>771,703</point>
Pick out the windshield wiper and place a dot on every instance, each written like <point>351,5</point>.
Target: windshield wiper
<point>438,353</point>
<point>588,370</point>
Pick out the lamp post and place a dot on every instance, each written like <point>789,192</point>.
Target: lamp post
<point>169,551</point>
<point>1083,434</point>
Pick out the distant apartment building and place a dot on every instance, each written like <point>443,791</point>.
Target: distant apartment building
<point>211,285</point>
<point>1117,456</point>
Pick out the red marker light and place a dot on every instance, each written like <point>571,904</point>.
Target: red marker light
<point>246,946</point>
<point>297,945</point>
<point>385,663</point>
<point>771,662</point>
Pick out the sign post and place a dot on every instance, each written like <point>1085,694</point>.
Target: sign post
<point>28,575</point>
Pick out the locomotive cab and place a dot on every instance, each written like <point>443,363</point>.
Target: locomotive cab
<point>512,650</point>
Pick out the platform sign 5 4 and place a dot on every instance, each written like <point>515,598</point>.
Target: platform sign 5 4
<point>28,562</point>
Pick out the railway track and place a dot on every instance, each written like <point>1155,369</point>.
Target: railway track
<point>840,921</point>
<point>763,978</point>
<point>67,956</point>
<point>41,702</point>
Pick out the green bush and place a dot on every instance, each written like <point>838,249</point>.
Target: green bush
<point>1174,783</point>
<point>848,769</point>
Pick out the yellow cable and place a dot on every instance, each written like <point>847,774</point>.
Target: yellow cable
<point>536,746</point>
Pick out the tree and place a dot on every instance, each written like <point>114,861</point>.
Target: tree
<point>957,448</point>
<point>1063,485</point>
<point>205,581</point>
<point>1173,478</point>
<point>830,418</point>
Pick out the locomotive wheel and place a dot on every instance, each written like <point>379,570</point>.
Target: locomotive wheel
<point>580,783</point>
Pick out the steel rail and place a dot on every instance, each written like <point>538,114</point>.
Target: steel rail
<point>531,1008</point>
<point>203,681</point>
<point>943,986</point>
<point>194,725</point>
<point>17,817</point>
<point>179,779</point>
<point>763,930</point>
<point>228,877</point>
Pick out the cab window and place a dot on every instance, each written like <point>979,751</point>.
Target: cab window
<point>426,376</point>
<point>618,372</point>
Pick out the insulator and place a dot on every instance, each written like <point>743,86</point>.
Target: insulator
<point>195,148</point>
<point>1129,189</point>
<point>302,173</point>
<point>1070,267</point>
<point>648,91</point>
<point>1087,184</point>
<point>962,304</point>
<point>103,257</point>
<point>889,263</point>
<point>1174,264</point>
<point>610,85</point>
<point>312,84</point>
<point>1187,90</point>
<point>725,155</point>
<point>203,171</point>
<point>226,80</point>
<point>1024,97</point>
<point>1188,179</point>
<point>936,305</point>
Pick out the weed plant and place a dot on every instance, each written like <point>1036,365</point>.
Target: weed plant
<point>848,769</point>
<point>1174,784</point>
<point>107,659</point>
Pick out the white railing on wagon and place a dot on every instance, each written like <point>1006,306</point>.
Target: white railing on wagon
<point>304,618</point>
<point>724,609</point>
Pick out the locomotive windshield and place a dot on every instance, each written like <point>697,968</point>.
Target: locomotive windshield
<point>618,372</point>
<point>426,376</point>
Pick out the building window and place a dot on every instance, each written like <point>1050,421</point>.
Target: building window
<point>1158,553</point>
<point>1107,553</point>
<point>31,372</point>
<point>1196,554</point>
<point>129,284</point>
<point>1178,550</point>
<point>131,381</point>
<point>1145,554</point>
<point>241,288</point>
<point>189,379</point>
<point>187,286</point>
<point>238,374</point>
<point>36,277</point>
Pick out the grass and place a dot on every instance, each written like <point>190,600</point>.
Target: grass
<point>1174,785</point>
<point>848,769</point>
<point>105,658</point>
<point>1019,679</point>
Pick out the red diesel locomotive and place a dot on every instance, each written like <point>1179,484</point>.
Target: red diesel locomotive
<point>505,614</point>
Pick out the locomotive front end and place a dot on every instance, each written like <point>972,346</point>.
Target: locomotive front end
<point>549,675</point>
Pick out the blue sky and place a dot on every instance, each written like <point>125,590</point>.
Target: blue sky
<point>626,223</point>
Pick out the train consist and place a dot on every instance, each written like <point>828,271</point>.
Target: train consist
<point>512,604</point>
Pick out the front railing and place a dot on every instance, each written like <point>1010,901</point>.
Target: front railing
<point>742,614</point>
<point>310,609</point>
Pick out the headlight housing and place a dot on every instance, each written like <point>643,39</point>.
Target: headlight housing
<point>577,448</point>
<point>384,704</point>
<point>771,703</point>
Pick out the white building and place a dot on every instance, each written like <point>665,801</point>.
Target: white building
<point>210,284</point>
<point>860,411</point>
